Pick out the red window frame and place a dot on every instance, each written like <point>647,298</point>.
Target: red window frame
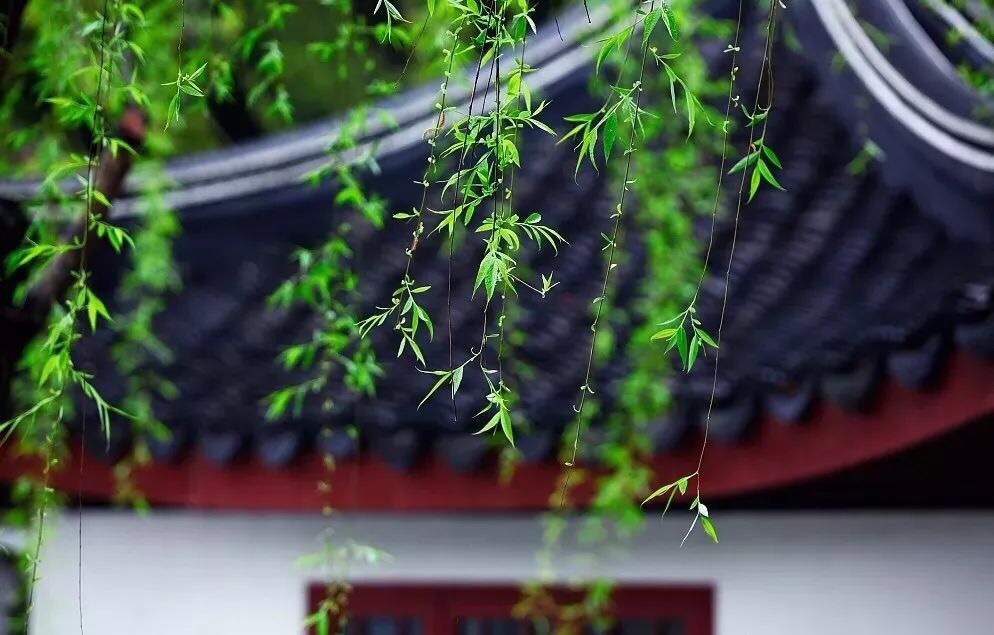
<point>439,605</point>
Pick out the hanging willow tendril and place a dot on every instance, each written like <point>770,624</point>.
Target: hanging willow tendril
<point>404,301</point>
<point>491,140</point>
<point>602,125</point>
<point>757,156</point>
<point>60,371</point>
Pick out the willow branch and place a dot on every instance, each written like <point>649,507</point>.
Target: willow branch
<point>51,287</point>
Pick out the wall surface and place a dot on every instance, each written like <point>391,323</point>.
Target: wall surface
<point>183,573</point>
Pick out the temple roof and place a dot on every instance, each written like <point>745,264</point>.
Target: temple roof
<point>852,278</point>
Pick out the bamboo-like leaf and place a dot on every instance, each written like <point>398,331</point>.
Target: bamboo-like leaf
<point>691,111</point>
<point>764,170</point>
<point>610,133</point>
<point>444,377</point>
<point>708,525</point>
<point>743,163</point>
<point>664,334</point>
<point>706,337</point>
<point>673,82</point>
<point>490,424</point>
<point>681,345</point>
<point>772,156</point>
<point>669,19</point>
<point>659,492</point>
<point>505,424</point>
<point>753,184</point>
<point>456,379</point>
<point>649,24</point>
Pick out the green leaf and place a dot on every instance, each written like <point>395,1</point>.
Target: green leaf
<point>509,153</point>
<point>691,111</point>
<point>659,492</point>
<point>669,19</point>
<point>764,170</point>
<point>456,379</point>
<point>664,334</point>
<point>772,156</point>
<point>490,424</point>
<point>611,43</point>
<point>753,184</point>
<point>604,51</point>
<point>483,274</point>
<point>681,345</point>
<point>745,161</point>
<point>579,117</point>
<point>505,424</point>
<point>518,28</point>
<point>197,73</point>
<point>610,133</point>
<point>650,23</point>
<point>100,197</point>
<point>94,308</point>
<point>695,347</point>
<point>679,485</point>
<point>418,311</point>
<point>414,347</point>
<point>51,364</point>
<point>709,528</point>
<point>673,82</point>
<point>445,376</point>
<point>706,337</point>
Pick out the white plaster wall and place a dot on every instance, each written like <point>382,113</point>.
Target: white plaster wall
<point>183,573</point>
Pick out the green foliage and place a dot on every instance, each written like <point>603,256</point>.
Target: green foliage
<point>684,333</point>
<point>184,83</point>
<point>759,159</point>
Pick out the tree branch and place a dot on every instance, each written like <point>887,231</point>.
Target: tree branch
<point>112,169</point>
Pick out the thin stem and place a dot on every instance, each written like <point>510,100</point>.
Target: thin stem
<point>97,126</point>
<point>455,210</point>
<point>766,67</point>
<point>496,166</point>
<point>430,167</point>
<point>615,231</point>
<point>414,48</point>
<point>724,151</point>
<point>502,319</point>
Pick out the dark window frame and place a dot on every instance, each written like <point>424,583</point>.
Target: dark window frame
<point>438,605</point>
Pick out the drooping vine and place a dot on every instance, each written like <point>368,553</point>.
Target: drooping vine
<point>758,158</point>
<point>487,147</point>
<point>60,370</point>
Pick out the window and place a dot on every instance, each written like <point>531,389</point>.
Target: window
<point>453,609</point>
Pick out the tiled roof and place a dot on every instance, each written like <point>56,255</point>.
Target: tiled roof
<point>847,277</point>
